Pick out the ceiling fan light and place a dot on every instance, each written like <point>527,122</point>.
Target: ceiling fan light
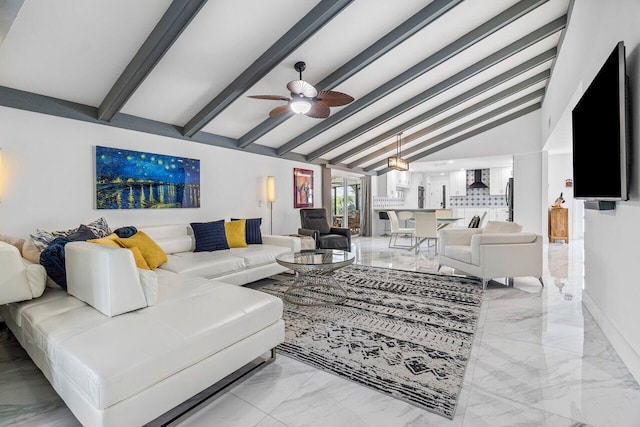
<point>300,106</point>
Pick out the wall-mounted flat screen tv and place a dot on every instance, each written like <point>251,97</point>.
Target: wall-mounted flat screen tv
<point>601,134</point>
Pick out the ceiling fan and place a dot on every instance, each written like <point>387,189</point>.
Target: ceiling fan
<point>305,99</point>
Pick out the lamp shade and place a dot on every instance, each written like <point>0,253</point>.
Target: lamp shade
<point>398,163</point>
<point>271,189</point>
<point>300,105</point>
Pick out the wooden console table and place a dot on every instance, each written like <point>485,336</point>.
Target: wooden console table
<point>558,224</point>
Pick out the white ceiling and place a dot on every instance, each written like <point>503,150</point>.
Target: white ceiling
<point>76,50</point>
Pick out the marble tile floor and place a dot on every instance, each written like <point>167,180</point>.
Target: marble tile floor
<point>539,359</point>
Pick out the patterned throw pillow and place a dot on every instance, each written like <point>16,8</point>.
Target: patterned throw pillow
<point>100,227</point>
<point>210,236</point>
<point>43,238</point>
<point>253,234</point>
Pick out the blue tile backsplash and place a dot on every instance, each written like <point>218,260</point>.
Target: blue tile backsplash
<point>479,197</point>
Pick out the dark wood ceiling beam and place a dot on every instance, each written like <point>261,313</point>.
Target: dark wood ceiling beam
<point>478,90</point>
<point>471,123</point>
<point>447,52</point>
<point>313,21</point>
<point>456,117</point>
<point>33,102</point>
<point>482,65</point>
<point>468,135</point>
<point>540,77</point>
<point>177,17</point>
<point>393,38</point>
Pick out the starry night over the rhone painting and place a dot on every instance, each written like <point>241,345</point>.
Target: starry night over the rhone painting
<point>128,179</point>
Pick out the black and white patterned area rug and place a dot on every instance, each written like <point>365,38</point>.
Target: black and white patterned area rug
<point>403,333</point>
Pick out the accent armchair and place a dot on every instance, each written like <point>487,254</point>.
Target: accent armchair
<point>499,249</point>
<point>314,223</point>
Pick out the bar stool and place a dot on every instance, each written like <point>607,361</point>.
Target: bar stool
<point>383,215</point>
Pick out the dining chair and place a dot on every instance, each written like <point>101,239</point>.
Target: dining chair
<point>444,213</point>
<point>426,229</point>
<point>405,216</point>
<point>396,230</point>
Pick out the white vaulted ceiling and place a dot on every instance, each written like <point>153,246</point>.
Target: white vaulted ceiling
<point>91,52</point>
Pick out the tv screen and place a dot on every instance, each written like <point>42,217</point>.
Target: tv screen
<point>600,134</point>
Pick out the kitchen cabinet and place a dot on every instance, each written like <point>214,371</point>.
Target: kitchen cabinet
<point>458,183</point>
<point>498,178</point>
<point>398,181</point>
<point>501,214</point>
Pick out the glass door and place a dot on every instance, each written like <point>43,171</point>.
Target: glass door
<point>346,202</point>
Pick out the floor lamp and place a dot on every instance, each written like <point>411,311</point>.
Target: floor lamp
<point>271,197</point>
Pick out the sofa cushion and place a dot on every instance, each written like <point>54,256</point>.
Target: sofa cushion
<point>235,233</point>
<point>20,280</point>
<point>104,277</point>
<point>210,236</point>
<point>502,227</point>
<point>153,343</point>
<point>15,241</point>
<point>30,251</point>
<point>152,253</point>
<point>460,253</point>
<point>204,264</point>
<point>259,255</point>
<point>253,233</point>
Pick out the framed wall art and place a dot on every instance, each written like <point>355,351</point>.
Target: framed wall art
<point>302,188</point>
<point>127,179</point>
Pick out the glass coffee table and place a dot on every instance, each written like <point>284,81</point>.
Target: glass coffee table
<point>314,283</point>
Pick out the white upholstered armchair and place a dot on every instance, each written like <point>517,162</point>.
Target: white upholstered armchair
<point>497,250</point>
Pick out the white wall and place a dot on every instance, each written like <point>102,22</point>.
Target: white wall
<point>48,177</point>
<point>520,138</point>
<point>527,192</point>
<point>610,238</point>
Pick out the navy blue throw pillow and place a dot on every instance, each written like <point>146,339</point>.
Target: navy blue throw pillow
<point>253,234</point>
<point>81,234</point>
<point>210,236</point>
<point>52,259</point>
<point>126,232</point>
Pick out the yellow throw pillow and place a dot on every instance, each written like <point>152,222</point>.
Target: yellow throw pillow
<point>112,240</point>
<point>152,253</point>
<point>139,258</point>
<point>235,232</point>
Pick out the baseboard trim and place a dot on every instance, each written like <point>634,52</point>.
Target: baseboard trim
<point>626,352</point>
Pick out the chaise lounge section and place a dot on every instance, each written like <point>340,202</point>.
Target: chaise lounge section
<point>123,345</point>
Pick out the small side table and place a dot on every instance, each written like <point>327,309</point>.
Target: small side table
<point>558,224</point>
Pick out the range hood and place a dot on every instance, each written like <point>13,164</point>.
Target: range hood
<point>477,180</point>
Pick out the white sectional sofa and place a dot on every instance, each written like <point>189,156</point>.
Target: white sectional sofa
<point>122,346</point>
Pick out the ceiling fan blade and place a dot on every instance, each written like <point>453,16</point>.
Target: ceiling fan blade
<point>301,87</point>
<point>270,97</point>
<point>318,110</point>
<point>334,99</point>
<point>278,111</point>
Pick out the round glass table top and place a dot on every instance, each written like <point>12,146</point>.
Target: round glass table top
<point>316,257</point>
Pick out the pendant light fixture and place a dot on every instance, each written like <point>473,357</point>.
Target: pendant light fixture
<point>397,162</point>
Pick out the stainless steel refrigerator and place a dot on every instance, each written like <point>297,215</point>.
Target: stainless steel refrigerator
<point>509,196</point>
